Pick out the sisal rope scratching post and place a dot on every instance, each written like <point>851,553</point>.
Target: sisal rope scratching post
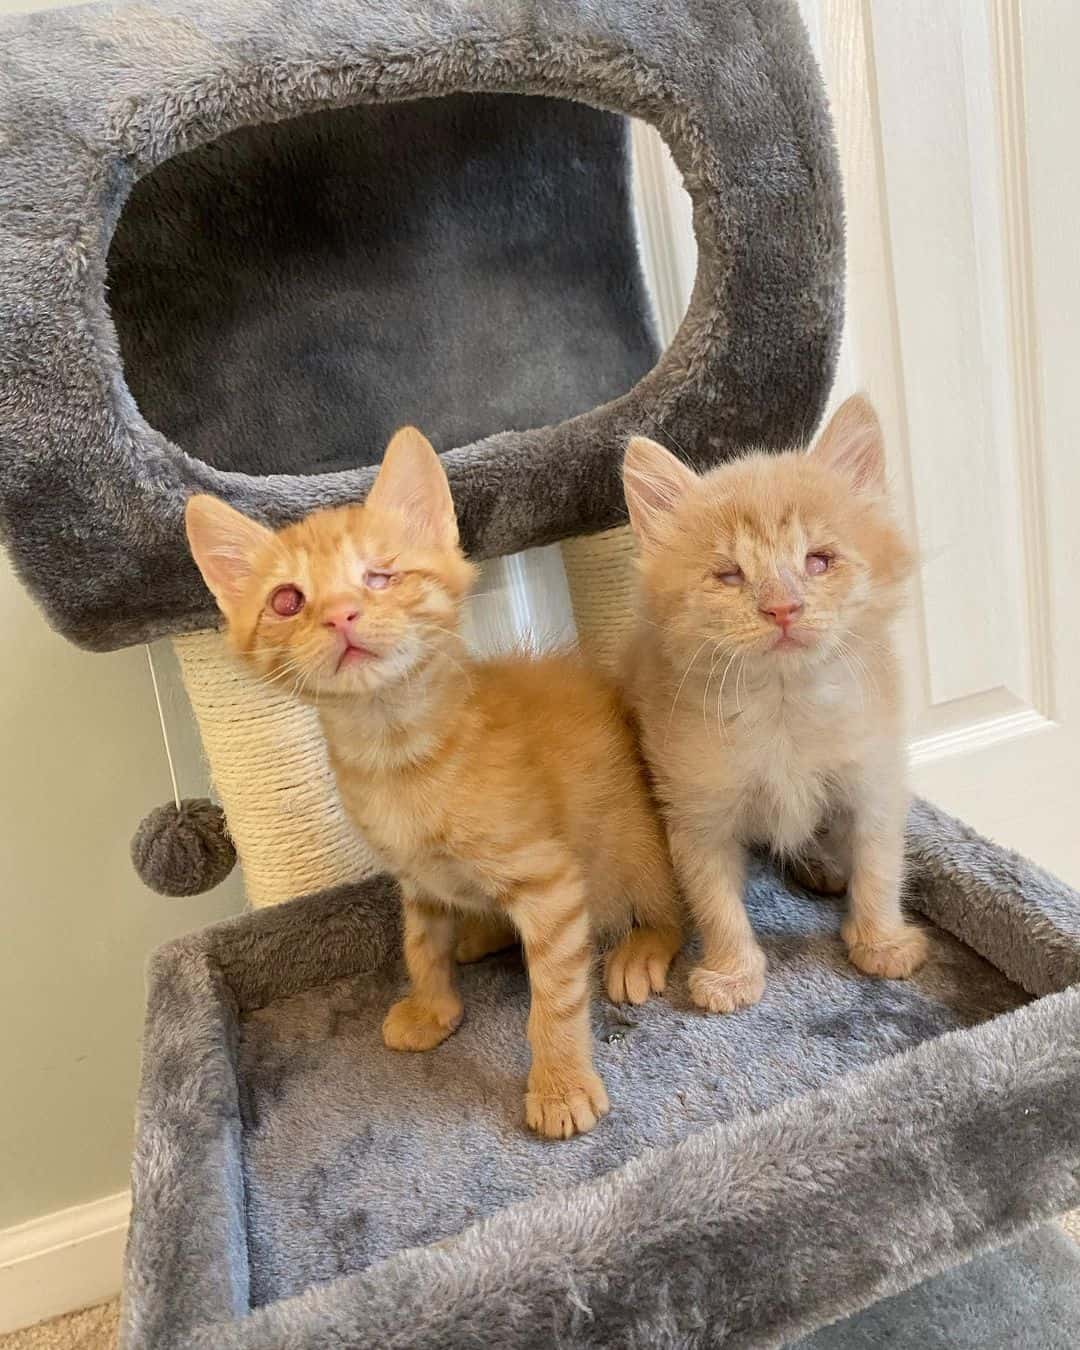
<point>601,577</point>
<point>268,758</point>
<point>270,769</point>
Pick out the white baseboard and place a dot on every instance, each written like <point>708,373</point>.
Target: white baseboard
<point>62,1262</point>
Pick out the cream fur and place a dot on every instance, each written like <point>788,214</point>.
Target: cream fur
<point>797,746</point>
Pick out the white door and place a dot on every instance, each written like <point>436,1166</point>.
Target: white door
<point>956,125</point>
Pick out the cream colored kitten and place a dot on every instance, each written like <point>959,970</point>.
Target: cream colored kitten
<point>766,684</point>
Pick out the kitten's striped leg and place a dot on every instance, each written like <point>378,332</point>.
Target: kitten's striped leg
<point>565,1095</point>
<point>880,941</point>
<point>432,1010</point>
<point>732,970</point>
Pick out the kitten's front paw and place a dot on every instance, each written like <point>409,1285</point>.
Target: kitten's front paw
<point>892,955</point>
<point>638,966</point>
<point>559,1107</point>
<point>726,991</point>
<point>479,937</point>
<point>413,1025</point>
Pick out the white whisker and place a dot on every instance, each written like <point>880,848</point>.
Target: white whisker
<point>429,646</point>
<point>716,658</point>
<point>721,719</point>
<point>848,658</point>
<point>682,682</point>
<point>854,657</point>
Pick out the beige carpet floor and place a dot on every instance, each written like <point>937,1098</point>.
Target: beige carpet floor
<point>92,1329</point>
<point>95,1328</point>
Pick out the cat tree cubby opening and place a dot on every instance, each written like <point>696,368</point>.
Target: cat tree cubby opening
<point>287,295</point>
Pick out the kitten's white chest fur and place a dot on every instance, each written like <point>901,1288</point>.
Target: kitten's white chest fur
<point>792,748</point>
<point>772,763</point>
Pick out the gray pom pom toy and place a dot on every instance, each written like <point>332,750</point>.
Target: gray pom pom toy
<point>183,850</point>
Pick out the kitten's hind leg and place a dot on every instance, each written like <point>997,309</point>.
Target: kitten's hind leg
<point>824,866</point>
<point>638,965</point>
<point>432,1009</point>
<point>481,934</point>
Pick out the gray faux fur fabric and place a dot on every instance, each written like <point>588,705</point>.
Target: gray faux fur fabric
<point>760,1175</point>
<point>983,899</point>
<point>1023,1297</point>
<point>346,1149</point>
<point>288,296</point>
<point>329,255</point>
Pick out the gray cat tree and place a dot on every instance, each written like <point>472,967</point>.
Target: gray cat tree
<point>241,242</point>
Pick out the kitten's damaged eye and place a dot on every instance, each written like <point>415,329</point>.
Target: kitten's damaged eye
<point>730,576</point>
<point>378,581</point>
<point>286,601</point>
<point>816,563</point>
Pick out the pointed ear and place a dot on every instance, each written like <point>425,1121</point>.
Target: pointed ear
<point>654,481</point>
<point>853,445</point>
<point>224,544</point>
<point>412,482</point>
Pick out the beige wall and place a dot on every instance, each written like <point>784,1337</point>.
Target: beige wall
<point>80,762</point>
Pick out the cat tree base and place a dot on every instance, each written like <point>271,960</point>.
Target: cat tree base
<point>759,1176</point>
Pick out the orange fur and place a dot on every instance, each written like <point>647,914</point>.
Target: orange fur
<point>797,745</point>
<point>507,793</point>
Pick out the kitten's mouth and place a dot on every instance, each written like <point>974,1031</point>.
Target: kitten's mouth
<point>788,642</point>
<point>354,654</point>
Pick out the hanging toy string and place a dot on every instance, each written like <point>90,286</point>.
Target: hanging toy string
<point>182,848</point>
<point>164,731</point>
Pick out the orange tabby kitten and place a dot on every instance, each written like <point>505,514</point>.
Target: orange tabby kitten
<point>507,790</point>
<point>766,685</point>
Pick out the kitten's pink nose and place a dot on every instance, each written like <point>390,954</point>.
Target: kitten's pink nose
<point>782,612</point>
<point>342,619</point>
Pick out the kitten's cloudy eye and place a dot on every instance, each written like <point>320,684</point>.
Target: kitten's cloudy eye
<point>730,576</point>
<point>816,563</point>
<point>378,581</point>
<point>287,601</point>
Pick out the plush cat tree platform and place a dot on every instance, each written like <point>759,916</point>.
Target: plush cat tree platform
<point>1022,1297</point>
<point>240,242</point>
<point>760,1175</point>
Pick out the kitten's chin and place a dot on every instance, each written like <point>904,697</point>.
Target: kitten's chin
<point>359,675</point>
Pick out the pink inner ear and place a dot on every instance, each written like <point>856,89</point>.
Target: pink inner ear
<point>225,544</point>
<point>232,572</point>
<point>654,482</point>
<point>853,445</point>
<point>412,483</point>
